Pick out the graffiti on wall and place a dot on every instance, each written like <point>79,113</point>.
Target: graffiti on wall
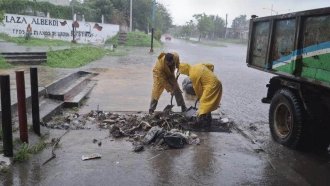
<point>42,27</point>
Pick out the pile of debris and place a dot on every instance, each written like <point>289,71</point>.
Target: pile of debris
<point>161,130</point>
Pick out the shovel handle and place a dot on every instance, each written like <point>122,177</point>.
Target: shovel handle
<point>196,103</point>
<point>171,99</point>
<point>176,78</point>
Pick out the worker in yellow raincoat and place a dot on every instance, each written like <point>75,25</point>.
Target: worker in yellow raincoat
<point>208,89</point>
<point>164,78</point>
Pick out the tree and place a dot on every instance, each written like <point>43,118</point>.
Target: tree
<point>219,26</point>
<point>188,29</point>
<point>163,20</point>
<point>2,12</point>
<point>142,10</point>
<point>142,16</point>
<point>102,7</point>
<point>114,11</point>
<point>121,12</point>
<point>204,24</point>
<point>239,25</point>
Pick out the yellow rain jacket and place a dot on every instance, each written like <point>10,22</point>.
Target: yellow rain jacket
<point>207,86</point>
<point>164,77</point>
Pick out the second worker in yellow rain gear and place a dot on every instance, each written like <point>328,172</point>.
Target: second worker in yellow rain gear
<point>164,78</point>
<point>208,89</point>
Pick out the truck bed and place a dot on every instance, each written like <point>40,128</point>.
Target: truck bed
<point>294,45</point>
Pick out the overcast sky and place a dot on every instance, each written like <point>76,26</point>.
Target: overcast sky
<point>183,10</point>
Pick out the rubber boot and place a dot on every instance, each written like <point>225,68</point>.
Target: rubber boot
<point>153,105</point>
<point>209,117</point>
<point>179,100</point>
<point>204,120</point>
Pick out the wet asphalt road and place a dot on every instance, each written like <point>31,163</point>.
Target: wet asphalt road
<point>124,84</point>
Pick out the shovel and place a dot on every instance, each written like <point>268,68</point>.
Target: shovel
<point>168,108</point>
<point>191,111</point>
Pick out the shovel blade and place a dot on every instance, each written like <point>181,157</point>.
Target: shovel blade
<point>190,112</point>
<point>168,108</point>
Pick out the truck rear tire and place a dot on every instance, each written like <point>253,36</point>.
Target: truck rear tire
<point>286,118</point>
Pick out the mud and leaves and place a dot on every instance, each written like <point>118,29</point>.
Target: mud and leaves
<point>161,130</point>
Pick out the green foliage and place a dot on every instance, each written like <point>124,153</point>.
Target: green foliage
<point>163,20</point>
<point>74,57</point>
<point>32,7</point>
<point>140,39</point>
<point>208,26</point>
<point>102,7</point>
<point>239,23</point>
<point>113,40</point>
<point>157,35</point>
<point>23,153</point>
<point>219,27</point>
<point>204,24</point>
<point>3,65</point>
<point>1,15</point>
<point>25,150</point>
<point>37,148</point>
<point>137,39</point>
<point>2,11</point>
<point>114,11</point>
<point>184,31</point>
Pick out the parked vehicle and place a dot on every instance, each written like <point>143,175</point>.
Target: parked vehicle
<point>296,48</point>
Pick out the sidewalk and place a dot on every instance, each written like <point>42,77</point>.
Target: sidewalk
<point>46,75</point>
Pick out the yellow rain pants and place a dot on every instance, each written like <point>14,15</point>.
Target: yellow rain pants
<point>207,86</point>
<point>164,77</point>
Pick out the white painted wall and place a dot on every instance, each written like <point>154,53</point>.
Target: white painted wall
<point>42,27</point>
<point>57,2</point>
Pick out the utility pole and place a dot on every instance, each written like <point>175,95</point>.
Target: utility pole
<point>130,16</point>
<point>226,26</point>
<point>271,10</point>
<point>153,24</point>
<point>72,10</point>
<point>34,7</point>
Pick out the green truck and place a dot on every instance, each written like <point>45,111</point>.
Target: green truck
<point>295,47</point>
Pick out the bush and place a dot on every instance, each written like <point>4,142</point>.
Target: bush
<point>74,57</point>
<point>113,40</point>
<point>136,38</point>
<point>3,63</point>
<point>157,35</point>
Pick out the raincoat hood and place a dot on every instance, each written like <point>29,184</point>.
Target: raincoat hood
<point>161,55</point>
<point>176,59</point>
<point>184,68</point>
